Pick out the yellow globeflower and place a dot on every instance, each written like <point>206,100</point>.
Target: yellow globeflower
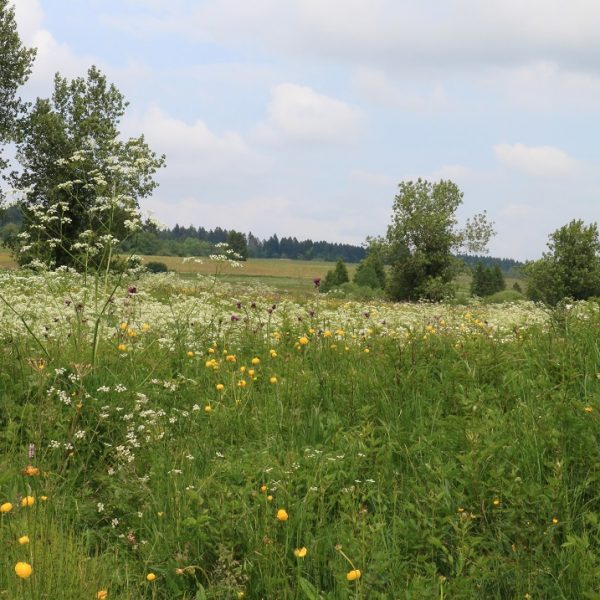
<point>273,380</point>
<point>28,501</point>
<point>300,552</point>
<point>190,354</point>
<point>123,326</point>
<point>151,577</point>
<point>43,498</point>
<point>273,354</point>
<point>230,358</point>
<point>102,595</point>
<point>6,507</point>
<point>263,488</point>
<point>30,471</point>
<point>303,340</point>
<point>270,498</point>
<point>145,327</point>
<point>23,540</point>
<point>207,408</point>
<point>23,570</point>
<point>282,515</point>
<point>121,347</point>
<point>220,387</point>
<point>255,361</point>
<point>353,575</point>
<point>242,383</point>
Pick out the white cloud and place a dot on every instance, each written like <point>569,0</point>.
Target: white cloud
<point>194,151</point>
<point>517,210</point>
<point>539,161</point>
<point>377,87</point>
<point>299,114</point>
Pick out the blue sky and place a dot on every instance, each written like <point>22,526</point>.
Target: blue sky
<point>301,117</point>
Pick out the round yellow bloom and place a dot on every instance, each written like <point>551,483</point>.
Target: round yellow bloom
<point>150,577</point>
<point>145,327</point>
<point>242,383</point>
<point>273,380</point>
<point>273,354</point>
<point>28,501</point>
<point>255,361</point>
<point>123,326</point>
<point>353,575</point>
<point>303,340</point>
<point>207,408</point>
<point>300,552</point>
<point>496,502</point>
<point>23,540</point>
<point>31,471</point>
<point>211,350</point>
<point>282,515</point>
<point>43,498</point>
<point>554,520</point>
<point>230,358</point>
<point>263,488</point>
<point>251,372</point>
<point>102,595</point>
<point>121,347</point>
<point>220,387</point>
<point>270,498</point>
<point>588,409</point>
<point>190,354</point>
<point>6,507</point>
<point>23,570</point>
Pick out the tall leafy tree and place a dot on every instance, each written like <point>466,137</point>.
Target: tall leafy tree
<point>423,236</point>
<point>571,266</point>
<point>82,182</point>
<point>15,67</point>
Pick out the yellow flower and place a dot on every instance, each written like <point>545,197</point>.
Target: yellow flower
<point>28,501</point>
<point>242,383</point>
<point>31,471</point>
<point>366,351</point>
<point>23,540</point>
<point>6,507</point>
<point>273,380</point>
<point>263,488</point>
<point>230,358</point>
<point>43,498</point>
<point>273,354</point>
<point>145,327</point>
<point>282,515</point>
<point>132,333</point>
<point>496,502</point>
<point>353,575</point>
<point>251,372</point>
<point>255,361</point>
<point>121,347</point>
<point>151,577</point>
<point>102,595</point>
<point>588,409</point>
<point>300,552</point>
<point>303,340</point>
<point>270,498</point>
<point>207,408</point>
<point>220,387</point>
<point>211,350</point>
<point>554,520</point>
<point>123,326</point>
<point>190,354</point>
<point>23,570</point>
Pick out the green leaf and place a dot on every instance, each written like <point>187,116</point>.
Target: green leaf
<point>310,591</point>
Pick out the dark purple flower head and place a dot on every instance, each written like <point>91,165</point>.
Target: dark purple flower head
<point>235,318</point>
<point>317,281</point>
<point>238,305</point>
<point>253,305</point>
<point>67,302</point>
<point>270,311</point>
<point>311,313</point>
<point>367,314</point>
<point>132,289</point>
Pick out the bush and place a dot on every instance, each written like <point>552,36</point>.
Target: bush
<point>156,267</point>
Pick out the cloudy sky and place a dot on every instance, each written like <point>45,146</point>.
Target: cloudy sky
<point>300,117</point>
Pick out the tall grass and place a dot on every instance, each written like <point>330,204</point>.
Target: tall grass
<point>443,458</point>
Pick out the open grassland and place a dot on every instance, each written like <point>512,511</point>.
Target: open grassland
<point>171,438</point>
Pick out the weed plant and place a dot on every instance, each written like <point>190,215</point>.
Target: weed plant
<point>225,443</point>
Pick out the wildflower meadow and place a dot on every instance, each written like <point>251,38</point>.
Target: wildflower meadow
<point>184,438</point>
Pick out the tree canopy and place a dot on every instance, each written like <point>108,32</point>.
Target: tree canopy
<point>82,183</point>
<point>423,236</point>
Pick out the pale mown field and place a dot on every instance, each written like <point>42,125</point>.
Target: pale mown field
<point>187,437</point>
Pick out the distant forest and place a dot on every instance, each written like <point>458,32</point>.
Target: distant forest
<point>199,241</point>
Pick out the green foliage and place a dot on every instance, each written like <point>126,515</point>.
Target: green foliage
<point>81,183</point>
<point>237,242</point>
<point>487,280</point>
<point>15,66</point>
<point>155,266</point>
<point>371,270</point>
<point>570,268</point>
<point>422,237</point>
<point>335,277</point>
<point>504,296</point>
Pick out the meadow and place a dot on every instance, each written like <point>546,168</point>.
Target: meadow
<point>195,437</point>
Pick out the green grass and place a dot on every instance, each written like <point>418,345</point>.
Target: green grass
<point>446,459</point>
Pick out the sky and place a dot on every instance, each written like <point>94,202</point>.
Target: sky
<point>301,117</point>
